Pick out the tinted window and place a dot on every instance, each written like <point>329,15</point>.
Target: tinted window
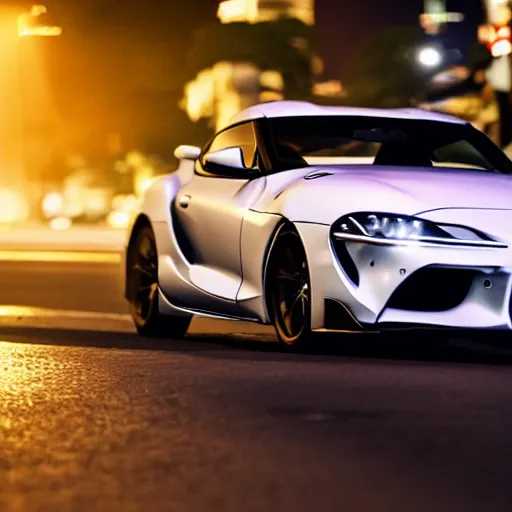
<point>377,141</point>
<point>241,136</point>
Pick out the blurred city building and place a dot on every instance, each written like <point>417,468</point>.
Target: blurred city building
<point>480,91</point>
<point>257,11</point>
<point>495,35</point>
<point>229,86</point>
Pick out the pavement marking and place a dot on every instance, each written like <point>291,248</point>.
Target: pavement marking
<point>29,311</point>
<point>61,256</point>
<point>23,317</point>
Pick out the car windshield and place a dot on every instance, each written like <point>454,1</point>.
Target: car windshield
<point>358,140</point>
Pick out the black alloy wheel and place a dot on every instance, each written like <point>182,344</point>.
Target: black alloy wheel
<point>290,290</point>
<point>143,276</point>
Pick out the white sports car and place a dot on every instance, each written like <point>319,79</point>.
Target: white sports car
<point>318,219</point>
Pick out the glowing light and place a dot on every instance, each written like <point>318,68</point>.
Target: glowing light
<point>501,48</point>
<point>199,96</point>
<point>254,11</point>
<point>214,92</point>
<point>118,220</point>
<point>503,32</point>
<point>429,57</point>
<point>145,184</point>
<point>498,12</point>
<point>497,39</point>
<point>486,33</point>
<point>267,96</point>
<point>272,80</point>
<point>37,10</point>
<point>60,223</point>
<point>28,26</point>
<point>238,10</point>
<point>135,159</point>
<point>40,31</point>
<point>125,203</point>
<point>14,207</point>
<point>53,205</point>
<point>331,88</point>
<point>61,256</point>
<point>95,202</point>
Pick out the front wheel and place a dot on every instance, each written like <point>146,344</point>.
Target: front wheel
<point>289,290</point>
<point>143,277</point>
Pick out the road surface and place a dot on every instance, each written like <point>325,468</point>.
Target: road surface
<point>95,419</point>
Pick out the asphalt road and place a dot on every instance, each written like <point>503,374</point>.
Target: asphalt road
<point>94,418</point>
<point>73,286</point>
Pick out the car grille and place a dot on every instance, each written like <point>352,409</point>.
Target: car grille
<point>433,289</point>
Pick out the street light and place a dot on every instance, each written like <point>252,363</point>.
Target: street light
<point>31,24</point>
<point>429,57</point>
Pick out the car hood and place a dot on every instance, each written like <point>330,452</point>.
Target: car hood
<point>324,194</point>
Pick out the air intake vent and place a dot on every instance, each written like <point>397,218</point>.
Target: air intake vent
<point>316,175</point>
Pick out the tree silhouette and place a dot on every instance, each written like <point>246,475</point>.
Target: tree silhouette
<point>384,72</point>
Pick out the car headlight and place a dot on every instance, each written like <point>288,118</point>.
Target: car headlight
<point>392,229</point>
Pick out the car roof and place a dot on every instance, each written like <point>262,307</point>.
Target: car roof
<point>301,108</point>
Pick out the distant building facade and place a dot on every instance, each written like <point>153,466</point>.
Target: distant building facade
<point>256,11</point>
<point>228,87</point>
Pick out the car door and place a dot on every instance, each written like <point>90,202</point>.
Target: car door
<point>210,210</point>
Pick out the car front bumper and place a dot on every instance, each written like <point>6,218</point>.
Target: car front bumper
<point>384,270</point>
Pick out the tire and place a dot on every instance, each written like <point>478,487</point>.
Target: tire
<point>289,290</point>
<point>142,271</point>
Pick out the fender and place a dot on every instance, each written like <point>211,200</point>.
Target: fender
<point>156,208</point>
<point>158,198</point>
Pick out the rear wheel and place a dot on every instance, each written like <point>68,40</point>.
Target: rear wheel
<point>143,278</point>
<point>289,290</point>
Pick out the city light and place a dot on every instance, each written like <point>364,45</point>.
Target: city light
<point>255,11</point>
<point>497,39</point>
<point>14,206</point>
<point>238,10</point>
<point>53,205</point>
<point>118,220</point>
<point>501,48</point>
<point>430,57</point>
<point>60,223</point>
<point>28,24</point>
<point>435,16</point>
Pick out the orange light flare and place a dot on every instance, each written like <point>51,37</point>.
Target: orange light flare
<point>496,38</point>
<point>30,25</point>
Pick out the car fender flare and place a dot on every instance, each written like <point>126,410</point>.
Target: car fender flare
<point>283,224</point>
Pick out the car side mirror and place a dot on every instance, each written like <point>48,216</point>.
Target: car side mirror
<point>187,153</point>
<point>225,159</point>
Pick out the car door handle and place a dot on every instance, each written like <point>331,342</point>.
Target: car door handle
<point>185,201</point>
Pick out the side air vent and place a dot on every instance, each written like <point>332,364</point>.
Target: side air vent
<point>181,237</point>
<point>345,260</point>
<point>316,175</point>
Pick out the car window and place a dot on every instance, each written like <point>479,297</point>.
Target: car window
<point>241,136</point>
<point>381,141</point>
<point>459,154</point>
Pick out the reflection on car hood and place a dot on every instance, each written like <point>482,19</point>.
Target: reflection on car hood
<point>409,191</point>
